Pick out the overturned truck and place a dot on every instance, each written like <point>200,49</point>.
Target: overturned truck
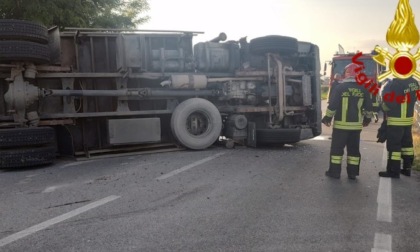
<point>84,91</point>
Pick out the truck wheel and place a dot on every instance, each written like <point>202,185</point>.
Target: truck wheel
<point>14,50</point>
<point>274,44</point>
<point>26,137</point>
<point>196,123</point>
<point>26,157</point>
<point>11,29</point>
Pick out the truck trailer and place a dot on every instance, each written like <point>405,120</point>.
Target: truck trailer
<point>82,91</point>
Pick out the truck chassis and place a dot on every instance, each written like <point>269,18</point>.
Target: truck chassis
<point>91,90</point>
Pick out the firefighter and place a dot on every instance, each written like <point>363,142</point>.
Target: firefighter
<point>398,103</point>
<point>351,108</point>
<point>334,84</point>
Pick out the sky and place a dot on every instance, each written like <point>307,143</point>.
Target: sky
<point>356,25</point>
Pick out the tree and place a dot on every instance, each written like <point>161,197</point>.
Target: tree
<point>78,13</point>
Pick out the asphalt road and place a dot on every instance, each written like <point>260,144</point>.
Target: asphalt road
<point>241,199</point>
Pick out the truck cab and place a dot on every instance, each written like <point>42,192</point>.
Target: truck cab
<point>371,69</point>
<point>340,61</point>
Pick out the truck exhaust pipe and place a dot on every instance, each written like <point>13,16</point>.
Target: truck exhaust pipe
<point>222,37</point>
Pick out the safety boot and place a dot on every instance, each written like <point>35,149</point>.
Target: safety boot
<point>389,174</point>
<point>352,171</point>
<point>406,172</point>
<point>392,169</point>
<point>331,175</point>
<point>407,163</point>
<point>334,171</point>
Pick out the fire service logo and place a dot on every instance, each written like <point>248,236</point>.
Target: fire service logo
<point>402,35</point>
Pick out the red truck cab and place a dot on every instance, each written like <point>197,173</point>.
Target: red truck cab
<point>340,61</point>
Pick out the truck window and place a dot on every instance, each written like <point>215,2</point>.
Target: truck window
<point>339,65</point>
<point>370,67</point>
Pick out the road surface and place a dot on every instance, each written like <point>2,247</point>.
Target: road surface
<point>241,199</point>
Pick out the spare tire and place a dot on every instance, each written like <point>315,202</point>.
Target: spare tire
<point>13,29</point>
<point>274,44</point>
<point>196,123</point>
<point>26,137</point>
<point>14,50</point>
<point>27,157</point>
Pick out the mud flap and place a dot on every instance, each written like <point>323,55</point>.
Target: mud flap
<point>252,135</point>
<point>306,134</point>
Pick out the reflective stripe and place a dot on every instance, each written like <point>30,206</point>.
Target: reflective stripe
<point>336,159</point>
<point>353,160</point>
<point>396,156</point>
<point>407,151</point>
<point>330,113</point>
<point>344,109</point>
<point>385,107</point>
<point>359,107</point>
<point>375,104</point>
<point>348,125</point>
<point>404,110</point>
<point>400,121</point>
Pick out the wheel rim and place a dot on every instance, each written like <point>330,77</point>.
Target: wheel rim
<point>198,123</point>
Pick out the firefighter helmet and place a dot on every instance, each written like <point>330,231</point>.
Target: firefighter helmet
<point>350,71</point>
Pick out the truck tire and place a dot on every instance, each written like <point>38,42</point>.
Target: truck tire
<point>196,123</point>
<point>274,44</point>
<point>12,29</point>
<point>27,157</point>
<point>26,137</point>
<point>14,50</point>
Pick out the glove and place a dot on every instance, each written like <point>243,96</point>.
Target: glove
<point>366,121</point>
<point>382,133</point>
<point>326,120</point>
<point>375,115</point>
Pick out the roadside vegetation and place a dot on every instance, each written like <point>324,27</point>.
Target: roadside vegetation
<point>324,92</point>
<point>72,13</point>
<point>416,143</point>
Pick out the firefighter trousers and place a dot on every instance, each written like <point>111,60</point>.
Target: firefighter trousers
<point>399,145</point>
<point>341,139</point>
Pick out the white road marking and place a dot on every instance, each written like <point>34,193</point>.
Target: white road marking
<point>182,169</point>
<point>383,243</point>
<point>53,221</point>
<point>384,195</point>
<point>384,201</point>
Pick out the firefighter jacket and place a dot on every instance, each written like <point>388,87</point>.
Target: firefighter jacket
<point>399,99</point>
<point>334,84</point>
<point>349,105</point>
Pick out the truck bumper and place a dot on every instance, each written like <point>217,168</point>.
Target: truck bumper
<point>278,136</point>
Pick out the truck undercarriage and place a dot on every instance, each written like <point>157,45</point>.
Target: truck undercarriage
<point>84,91</point>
